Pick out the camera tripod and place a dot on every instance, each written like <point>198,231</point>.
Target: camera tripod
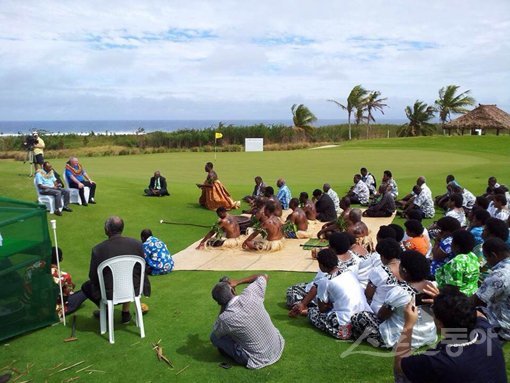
<point>30,159</point>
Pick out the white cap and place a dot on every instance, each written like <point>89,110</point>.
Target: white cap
<point>34,133</point>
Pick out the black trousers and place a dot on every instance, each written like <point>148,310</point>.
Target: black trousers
<point>82,190</point>
<point>377,213</point>
<point>91,292</point>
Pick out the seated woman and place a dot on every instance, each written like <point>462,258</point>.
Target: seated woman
<point>214,194</point>
<point>478,217</point>
<point>382,278</point>
<point>338,299</point>
<point>382,329</point>
<point>456,210</point>
<point>302,295</point>
<point>463,270</point>
<point>442,249</point>
<point>416,239</point>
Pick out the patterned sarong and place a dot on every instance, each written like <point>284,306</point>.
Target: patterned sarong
<point>270,246</point>
<point>328,322</point>
<point>217,196</point>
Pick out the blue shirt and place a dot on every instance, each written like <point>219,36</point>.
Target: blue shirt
<point>284,196</point>
<point>157,256</point>
<point>446,246</point>
<point>477,234</point>
<point>45,179</point>
<point>79,177</point>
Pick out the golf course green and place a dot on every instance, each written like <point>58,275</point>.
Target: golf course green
<point>181,309</point>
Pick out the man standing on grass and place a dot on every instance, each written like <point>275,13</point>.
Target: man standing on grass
<point>243,330</point>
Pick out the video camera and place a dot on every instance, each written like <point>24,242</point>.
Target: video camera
<point>30,141</point>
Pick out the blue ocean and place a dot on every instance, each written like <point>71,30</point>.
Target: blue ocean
<point>128,127</point>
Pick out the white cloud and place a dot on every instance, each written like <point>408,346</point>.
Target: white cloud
<point>251,59</point>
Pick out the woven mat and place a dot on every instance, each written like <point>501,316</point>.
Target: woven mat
<point>292,258</point>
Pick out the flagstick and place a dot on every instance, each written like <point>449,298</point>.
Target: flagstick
<point>215,146</point>
<point>54,227</point>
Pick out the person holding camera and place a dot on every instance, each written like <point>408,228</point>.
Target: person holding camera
<point>469,350</point>
<point>243,330</point>
<point>38,151</point>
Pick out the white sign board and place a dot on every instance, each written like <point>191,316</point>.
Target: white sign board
<point>253,144</point>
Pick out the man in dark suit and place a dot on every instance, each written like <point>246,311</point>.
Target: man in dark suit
<point>115,245</point>
<point>324,206</point>
<point>157,186</point>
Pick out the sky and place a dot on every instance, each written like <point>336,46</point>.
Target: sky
<point>225,59</point>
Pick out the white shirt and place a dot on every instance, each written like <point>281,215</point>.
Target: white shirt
<point>346,295</point>
<point>370,181</point>
<point>459,215</point>
<point>351,264</point>
<point>424,331</point>
<point>334,196</point>
<point>366,265</point>
<point>383,280</point>
<point>425,189</point>
<point>361,191</point>
<point>426,204</point>
<point>468,199</point>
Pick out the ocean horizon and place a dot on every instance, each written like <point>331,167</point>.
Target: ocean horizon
<point>132,126</point>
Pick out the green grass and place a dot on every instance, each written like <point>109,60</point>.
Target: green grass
<point>181,310</point>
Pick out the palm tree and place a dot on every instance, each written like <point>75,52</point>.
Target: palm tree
<point>373,103</point>
<point>419,117</point>
<point>449,102</point>
<point>302,118</point>
<point>354,101</point>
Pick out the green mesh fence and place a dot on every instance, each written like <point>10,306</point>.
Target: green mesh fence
<point>27,291</point>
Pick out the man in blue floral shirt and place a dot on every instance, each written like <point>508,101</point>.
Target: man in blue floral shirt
<point>494,293</point>
<point>157,257</point>
<point>284,195</point>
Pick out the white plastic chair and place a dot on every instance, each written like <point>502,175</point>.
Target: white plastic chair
<point>43,199</point>
<point>123,290</point>
<point>74,194</point>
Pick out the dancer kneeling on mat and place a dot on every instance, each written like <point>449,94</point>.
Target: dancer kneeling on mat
<point>226,232</point>
<point>297,223</point>
<point>271,231</point>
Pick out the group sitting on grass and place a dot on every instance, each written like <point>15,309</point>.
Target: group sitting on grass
<point>417,281</point>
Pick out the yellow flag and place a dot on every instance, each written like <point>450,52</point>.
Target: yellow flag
<point>218,135</point>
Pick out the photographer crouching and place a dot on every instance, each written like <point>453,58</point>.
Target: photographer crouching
<point>35,144</point>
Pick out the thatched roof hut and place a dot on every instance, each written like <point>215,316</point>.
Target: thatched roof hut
<point>483,117</point>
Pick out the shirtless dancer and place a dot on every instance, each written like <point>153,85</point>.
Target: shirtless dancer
<point>272,226</point>
<point>359,229</point>
<point>269,195</point>
<point>298,218</point>
<point>308,206</point>
<point>230,227</point>
<point>339,224</point>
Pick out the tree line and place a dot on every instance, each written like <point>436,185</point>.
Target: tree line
<point>363,103</point>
